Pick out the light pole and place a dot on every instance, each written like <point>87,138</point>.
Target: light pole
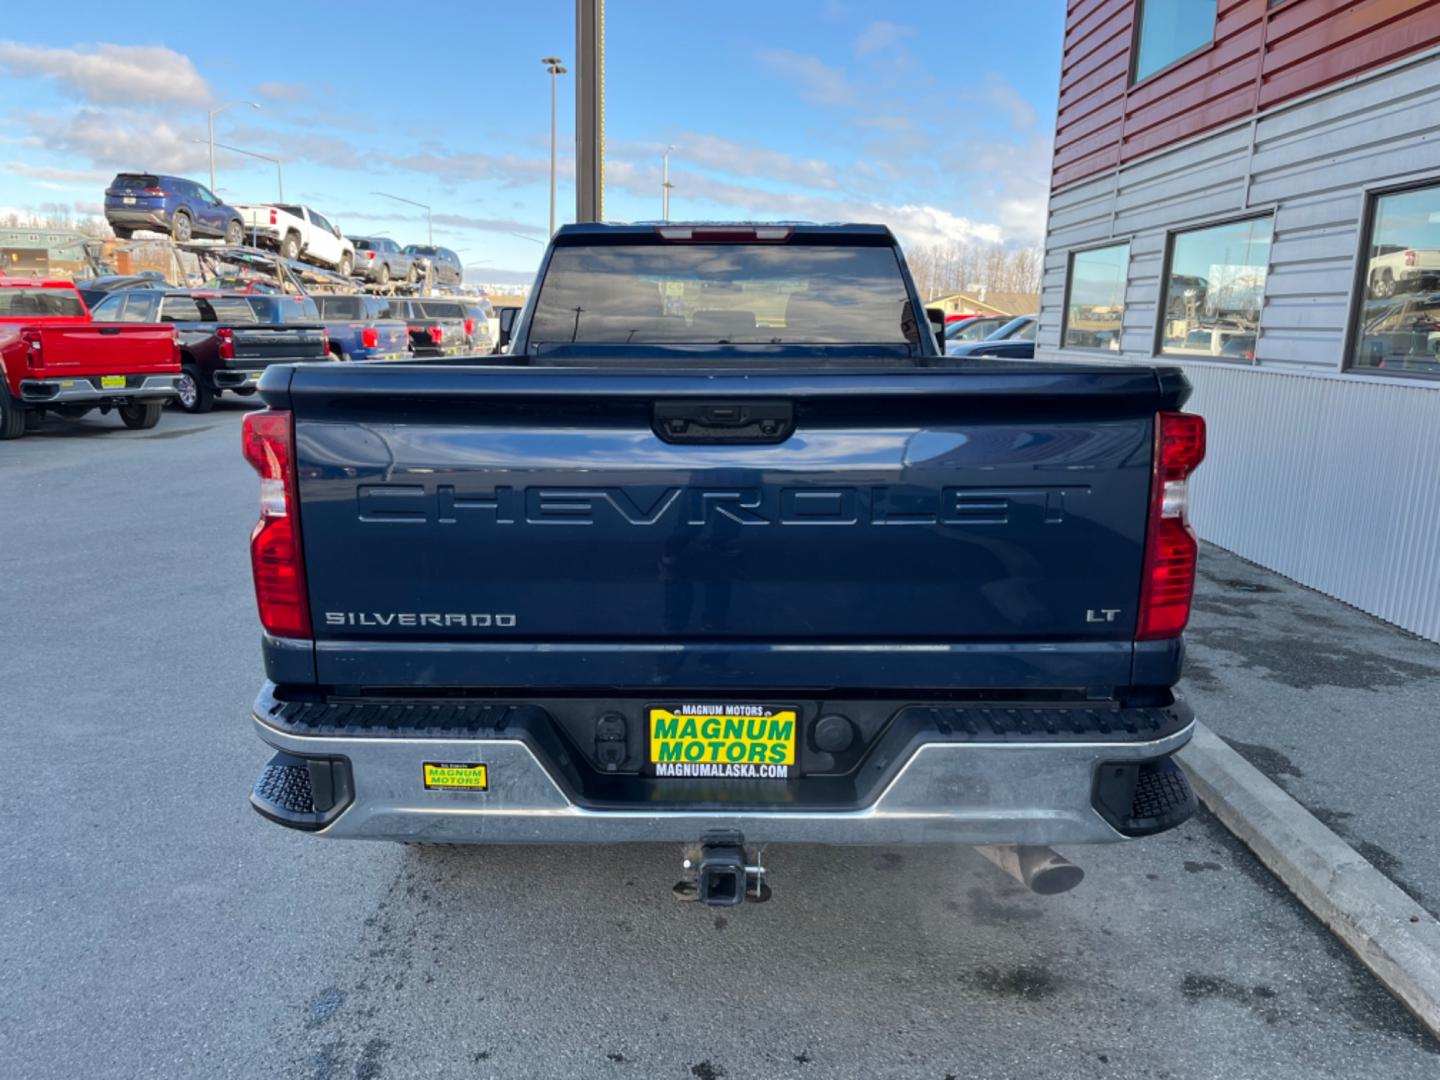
<point>665,187</point>
<point>429,227</point>
<point>279,178</point>
<point>555,68</point>
<point>214,113</point>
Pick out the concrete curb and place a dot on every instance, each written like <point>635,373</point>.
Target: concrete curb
<point>1397,939</point>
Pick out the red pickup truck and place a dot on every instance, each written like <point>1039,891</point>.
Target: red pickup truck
<point>56,359</point>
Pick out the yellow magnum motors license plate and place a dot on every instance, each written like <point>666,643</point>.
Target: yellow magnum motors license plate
<point>459,776</point>
<point>741,742</point>
<point>112,382</point>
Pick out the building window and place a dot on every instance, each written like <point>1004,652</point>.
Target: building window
<point>1095,301</point>
<point>1399,322</point>
<point>1214,290</point>
<point>1170,29</point>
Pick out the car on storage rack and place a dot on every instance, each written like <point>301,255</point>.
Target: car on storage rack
<point>445,266</point>
<point>298,232</point>
<point>379,259</point>
<point>226,339</point>
<point>726,552</point>
<point>180,208</point>
<point>56,358</point>
<point>361,328</point>
<point>431,335</point>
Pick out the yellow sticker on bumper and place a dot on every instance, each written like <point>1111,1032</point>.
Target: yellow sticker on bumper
<point>740,742</point>
<point>456,775</point>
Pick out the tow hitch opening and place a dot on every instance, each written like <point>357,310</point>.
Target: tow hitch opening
<point>721,873</point>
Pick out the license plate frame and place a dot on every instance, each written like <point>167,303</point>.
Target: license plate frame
<point>112,382</point>
<point>722,740</point>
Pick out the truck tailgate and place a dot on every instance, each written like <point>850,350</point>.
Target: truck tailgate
<point>107,349</point>
<point>466,525</point>
<point>278,344</point>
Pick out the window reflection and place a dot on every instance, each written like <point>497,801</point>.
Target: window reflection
<point>1095,305</point>
<point>1399,327</point>
<point>1215,290</point>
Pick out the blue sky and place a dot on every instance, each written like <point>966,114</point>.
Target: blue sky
<point>936,118</point>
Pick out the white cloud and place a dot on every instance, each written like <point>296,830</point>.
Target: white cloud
<point>1000,93</point>
<point>739,159</point>
<point>509,169</point>
<point>120,139</point>
<point>133,74</point>
<point>279,91</point>
<point>880,36</point>
<point>47,172</point>
<point>819,83</point>
<point>915,223</point>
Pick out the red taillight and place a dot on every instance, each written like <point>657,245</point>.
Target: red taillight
<point>1409,258</point>
<point>437,334</point>
<point>161,192</point>
<point>34,354</point>
<point>370,255</point>
<point>275,553</point>
<point>1171,550</point>
<point>325,337</point>
<point>274,217</point>
<point>370,337</point>
<point>226,337</point>
<point>469,326</point>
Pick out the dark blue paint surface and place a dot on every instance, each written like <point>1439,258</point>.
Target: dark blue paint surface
<point>918,528</point>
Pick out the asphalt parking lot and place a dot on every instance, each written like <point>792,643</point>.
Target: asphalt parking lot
<point>153,925</point>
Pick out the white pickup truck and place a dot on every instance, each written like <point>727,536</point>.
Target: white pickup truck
<point>1398,269</point>
<point>297,232</point>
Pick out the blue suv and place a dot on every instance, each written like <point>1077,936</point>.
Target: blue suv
<point>169,204</point>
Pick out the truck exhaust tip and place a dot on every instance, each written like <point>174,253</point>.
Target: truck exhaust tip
<point>1042,870</point>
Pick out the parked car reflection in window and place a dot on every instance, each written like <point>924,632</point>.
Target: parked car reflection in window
<point>1399,318</point>
<point>1215,289</point>
<point>1095,298</point>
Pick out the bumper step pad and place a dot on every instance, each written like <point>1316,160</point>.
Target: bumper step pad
<point>303,793</point>
<point>1144,798</point>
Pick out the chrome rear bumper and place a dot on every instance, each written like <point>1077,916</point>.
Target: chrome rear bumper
<point>1009,792</point>
<point>80,388</point>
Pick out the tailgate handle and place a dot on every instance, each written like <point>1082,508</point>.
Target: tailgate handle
<point>109,329</point>
<point>741,421</point>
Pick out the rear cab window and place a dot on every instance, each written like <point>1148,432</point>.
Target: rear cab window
<point>40,303</point>
<point>733,293</point>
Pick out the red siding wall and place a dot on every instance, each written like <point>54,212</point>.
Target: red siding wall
<point>1261,55</point>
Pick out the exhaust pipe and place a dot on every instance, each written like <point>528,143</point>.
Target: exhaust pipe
<point>1042,870</point>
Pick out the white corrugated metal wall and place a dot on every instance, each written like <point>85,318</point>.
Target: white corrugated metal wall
<point>1328,477</point>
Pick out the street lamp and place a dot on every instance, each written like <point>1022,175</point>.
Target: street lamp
<point>279,179</point>
<point>554,67</point>
<point>429,227</point>
<point>214,113</point>
<point>665,187</point>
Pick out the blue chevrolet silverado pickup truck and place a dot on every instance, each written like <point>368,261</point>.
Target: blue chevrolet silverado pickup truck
<point>726,552</point>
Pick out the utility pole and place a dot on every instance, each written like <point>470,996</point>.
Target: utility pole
<point>214,113</point>
<point>554,66</point>
<point>279,176</point>
<point>665,187</point>
<point>589,110</point>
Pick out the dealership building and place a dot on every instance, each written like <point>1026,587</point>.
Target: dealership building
<point>1251,189</point>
